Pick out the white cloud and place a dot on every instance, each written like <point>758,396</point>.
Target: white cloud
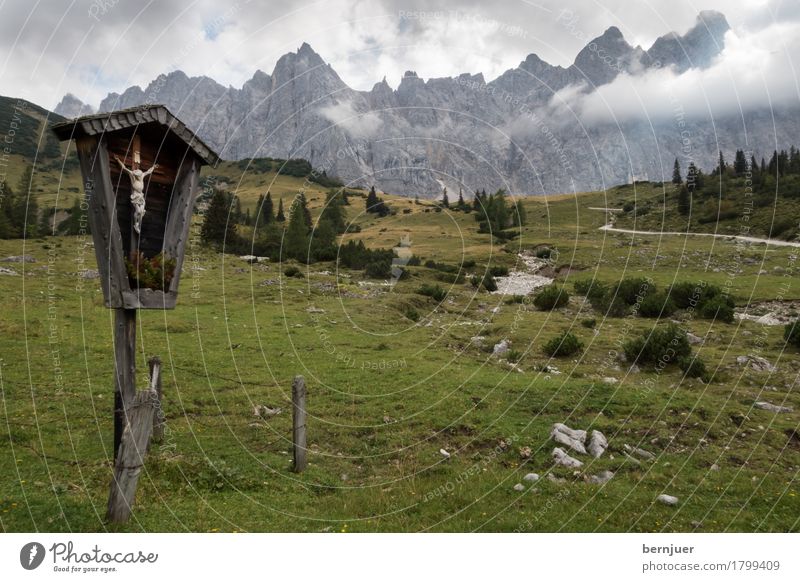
<point>359,125</point>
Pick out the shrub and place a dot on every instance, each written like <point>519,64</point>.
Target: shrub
<point>498,271</point>
<point>660,347</point>
<point>551,298</point>
<point>433,291</point>
<point>543,252</point>
<point>791,333</point>
<point>657,305</point>
<point>583,286</point>
<point>609,305</point>
<point>514,356</point>
<point>475,281</point>
<point>292,271</point>
<point>694,368</point>
<point>412,314</point>
<point>563,345</point>
<point>489,283</point>
<point>414,261</point>
<point>634,289</point>
<point>514,299</point>
<point>686,294</point>
<point>589,323</point>
<point>719,307</point>
<point>628,206</point>
<point>468,264</point>
<point>381,269</point>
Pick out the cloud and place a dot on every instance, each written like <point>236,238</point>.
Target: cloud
<point>359,125</point>
<point>755,70</point>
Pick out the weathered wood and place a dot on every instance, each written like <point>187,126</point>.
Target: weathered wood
<point>128,465</point>
<point>155,386</point>
<point>179,218</point>
<point>124,369</point>
<point>299,424</point>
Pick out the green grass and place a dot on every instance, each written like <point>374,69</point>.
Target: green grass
<point>386,393</point>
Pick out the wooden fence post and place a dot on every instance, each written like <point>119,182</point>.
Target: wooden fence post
<point>155,386</point>
<point>299,423</point>
<point>125,369</point>
<point>129,462</point>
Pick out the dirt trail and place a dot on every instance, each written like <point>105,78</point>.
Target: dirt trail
<point>752,239</point>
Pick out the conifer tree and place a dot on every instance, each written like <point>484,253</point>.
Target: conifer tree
<point>218,227</point>
<point>684,200</point>
<point>295,244</point>
<point>280,216</point>
<point>445,200</point>
<point>676,173</point>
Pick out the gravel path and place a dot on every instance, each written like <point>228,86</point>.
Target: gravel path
<point>752,239</point>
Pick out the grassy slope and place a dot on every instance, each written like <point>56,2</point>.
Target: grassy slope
<point>386,395</point>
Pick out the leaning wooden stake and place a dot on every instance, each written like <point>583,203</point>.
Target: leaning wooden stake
<point>155,385</point>
<point>130,459</point>
<point>125,369</point>
<point>299,423</point>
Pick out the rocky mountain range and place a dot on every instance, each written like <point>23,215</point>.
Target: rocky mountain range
<point>463,132</point>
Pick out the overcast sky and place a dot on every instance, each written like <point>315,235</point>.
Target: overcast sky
<point>90,48</point>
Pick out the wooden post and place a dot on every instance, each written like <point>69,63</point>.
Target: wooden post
<point>128,465</point>
<point>299,423</point>
<point>125,369</point>
<point>155,386</point>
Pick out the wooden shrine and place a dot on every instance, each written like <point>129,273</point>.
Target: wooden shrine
<point>141,169</point>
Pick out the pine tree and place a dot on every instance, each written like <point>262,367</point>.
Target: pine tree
<point>519,216</point>
<point>445,201</point>
<point>296,241</point>
<point>280,216</point>
<point>265,210</point>
<point>218,229</point>
<point>693,178</point>
<point>461,204</point>
<point>722,166</point>
<point>676,173</point>
<point>301,200</point>
<point>323,241</point>
<point>740,163</point>
<point>333,212</point>
<point>684,200</point>
<point>372,200</point>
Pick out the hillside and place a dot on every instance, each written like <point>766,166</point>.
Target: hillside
<point>395,375</point>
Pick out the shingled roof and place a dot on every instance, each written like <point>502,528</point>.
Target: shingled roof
<point>125,118</point>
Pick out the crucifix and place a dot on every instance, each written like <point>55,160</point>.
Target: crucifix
<point>137,187</point>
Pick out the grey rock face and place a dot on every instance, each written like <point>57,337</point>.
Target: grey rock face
<point>462,132</point>
<point>70,106</point>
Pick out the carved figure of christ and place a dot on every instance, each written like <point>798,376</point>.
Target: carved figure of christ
<point>137,192</point>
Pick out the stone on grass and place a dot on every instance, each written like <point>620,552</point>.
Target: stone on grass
<point>597,444</point>
<point>20,259</point>
<point>640,452</point>
<point>601,478</point>
<point>756,363</point>
<point>519,487</point>
<point>444,453</point>
<point>531,477</point>
<point>569,437</point>
<point>667,499</point>
<point>501,349</point>
<point>763,405</point>
<point>561,457</point>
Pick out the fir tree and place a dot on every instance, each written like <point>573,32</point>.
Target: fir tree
<point>740,163</point>
<point>218,229</point>
<point>280,216</point>
<point>265,210</point>
<point>445,200</point>
<point>676,173</point>
<point>461,204</point>
<point>296,241</point>
<point>333,212</point>
<point>684,200</point>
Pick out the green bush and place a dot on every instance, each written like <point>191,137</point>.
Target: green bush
<point>551,298</point>
<point>414,261</point>
<point>657,305</point>
<point>563,345</point>
<point>686,294</point>
<point>719,307</point>
<point>791,333</point>
<point>634,289</point>
<point>412,314</point>
<point>662,346</point>
<point>543,252</point>
<point>514,299</point>
<point>292,271</point>
<point>489,283</point>
<point>609,305</point>
<point>381,269</point>
<point>589,323</point>
<point>498,271</point>
<point>694,368</point>
<point>514,356</point>
<point>475,281</point>
<point>432,291</point>
<point>468,264</point>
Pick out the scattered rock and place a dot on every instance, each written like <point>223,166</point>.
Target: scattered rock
<point>4,271</point>
<point>763,405</point>
<point>561,457</point>
<point>444,453</point>
<point>531,477</point>
<point>634,369</point>
<point>610,380</point>
<point>694,339</point>
<point>697,524</point>
<point>564,435</point>
<point>667,499</point>
<point>756,363</point>
<point>90,274</point>
<point>20,259</point>
<point>601,478</point>
<point>553,479</point>
<point>519,487</point>
<point>501,349</point>
<point>312,309</point>
<point>525,452</point>
<point>640,452</point>
<point>597,444</point>
<point>388,420</point>
<point>714,467</point>
<point>265,411</point>
<point>253,259</point>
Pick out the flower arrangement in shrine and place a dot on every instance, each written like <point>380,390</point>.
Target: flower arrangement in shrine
<point>150,273</point>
